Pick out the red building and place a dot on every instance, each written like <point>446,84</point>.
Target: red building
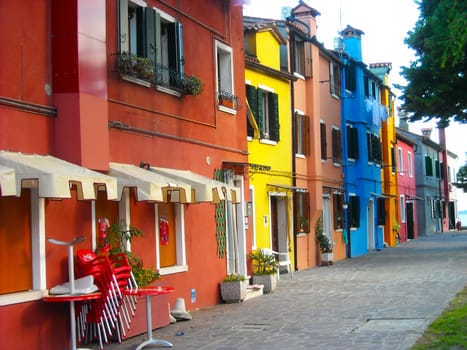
<point>407,187</point>
<point>75,90</point>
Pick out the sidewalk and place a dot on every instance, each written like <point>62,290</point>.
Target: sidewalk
<point>383,300</point>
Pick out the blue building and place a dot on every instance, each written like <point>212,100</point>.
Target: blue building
<point>362,115</point>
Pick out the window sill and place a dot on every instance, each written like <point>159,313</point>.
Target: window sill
<point>136,81</point>
<point>337,165</point>
<point>22,297</point>
<point>168,91</point>
<point>268,142</point>
<point>335,96</point>
<point>299,76</point>
<point>227,110</point>
<point>299,155</point>
<point>173,269</point>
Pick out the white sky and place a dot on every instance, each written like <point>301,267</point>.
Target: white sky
<point>385,24</point>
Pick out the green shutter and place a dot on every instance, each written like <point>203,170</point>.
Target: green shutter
<point>140,32</point>
<point>157,39</point>
<point>150,15</point>
<point>124,33</point>
<point>259,108</point>
<point>273,100</point>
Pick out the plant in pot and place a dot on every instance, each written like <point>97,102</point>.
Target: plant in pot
<point>193,85</point>
<point>233,288</point>
<point>113,243</point>
<point>131,65</point>
<point>325,248</point>
<point>265,268</point>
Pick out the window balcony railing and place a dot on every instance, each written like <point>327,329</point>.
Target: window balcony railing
<point>228,100</point>
<point>142,69</point>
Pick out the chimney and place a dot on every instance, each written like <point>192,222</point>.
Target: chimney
<point>353,42</point>
<point>403,119</point>
<point>426,132</point>
<point>307,15</point>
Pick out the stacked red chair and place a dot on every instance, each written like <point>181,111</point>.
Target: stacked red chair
<point>111,314</point>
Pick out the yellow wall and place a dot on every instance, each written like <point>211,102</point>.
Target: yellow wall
<point>276,155</point>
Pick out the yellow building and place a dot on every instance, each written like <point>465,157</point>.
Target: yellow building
<point>269,139</point>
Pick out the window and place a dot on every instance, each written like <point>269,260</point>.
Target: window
<point>224,73</point>
<point>441,170</point>
<point>352,142</point>
<point>410,163</point>
<point>401,161</point>
<point>265,107</point>
<point>393,159</point>
<point>323,141</point>
<point>402,208</point>
<point>153,34</point>
<point>354,211</point>
<point>334,79</point>
<point>374,148</point>
<point>302,51</point>
<point>336,145</point>
<point>428,166</point>
<point>366,86</point>
<point>170,238</point>
<point>381,211</point>
<point>338,203</point>
<point>350,78</point>
<point>303,212</point>
<point>437,168</point>
<point>301,134</point>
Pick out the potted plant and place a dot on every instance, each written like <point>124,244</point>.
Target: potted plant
<point>136,69</point>
<point>193,85</point>
<point>396,229</point>
<point>303,224</point>
<point>265,268</point>
<point>325,248</point>
<point>113,243</point>
<point>233,288</point>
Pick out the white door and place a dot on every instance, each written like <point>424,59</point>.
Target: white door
<point>327,217</point>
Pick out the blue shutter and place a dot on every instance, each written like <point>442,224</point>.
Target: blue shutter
<point>180,57</point>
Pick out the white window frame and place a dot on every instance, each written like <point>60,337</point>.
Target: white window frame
<point>181,263</point>
<point>223,58</point>
<point>402,207</point>
<point>400,155</point>
<point>410,163</point>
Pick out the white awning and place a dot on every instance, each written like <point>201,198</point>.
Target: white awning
<point>7,181</point>
<point>206,189</point>
<point>150,186</point>
<point>54,177</point>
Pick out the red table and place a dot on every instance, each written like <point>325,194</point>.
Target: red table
<point>148,292</point>
<point>71,298</point>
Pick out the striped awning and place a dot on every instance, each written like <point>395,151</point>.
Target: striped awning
<point>53,176</point>
<point>206,189</point>
<point>150,186</point>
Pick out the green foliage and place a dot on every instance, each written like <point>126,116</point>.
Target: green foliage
<point>263,263</point>
<point>139,67</point>
<point>449,331</point>
<point>462,178</point>
<point>436,80</point>
<point>325,244</point>
<point>193,85</point>
<point>234,277</point>
<point>118,235</point>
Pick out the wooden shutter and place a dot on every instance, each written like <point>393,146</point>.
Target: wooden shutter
<point>428,166</point>
<point>307,48</point>
<point>336,145</point>
<point>323,141</point>
<point>123,29</point>
<point>157,39</point>
<point>369,146</point>
<point>141,32</point>
<point>273,104</point>
<point>150,34</point>
<point>260,112</point>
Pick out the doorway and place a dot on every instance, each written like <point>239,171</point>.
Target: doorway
<point>279,240</point>
<point>371,225</point>
<point>410,220</point>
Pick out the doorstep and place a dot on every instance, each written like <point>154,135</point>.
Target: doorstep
<point>253,291</point>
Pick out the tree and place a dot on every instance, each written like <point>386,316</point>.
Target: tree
<point>436,87</point>
<point>462,178</point>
